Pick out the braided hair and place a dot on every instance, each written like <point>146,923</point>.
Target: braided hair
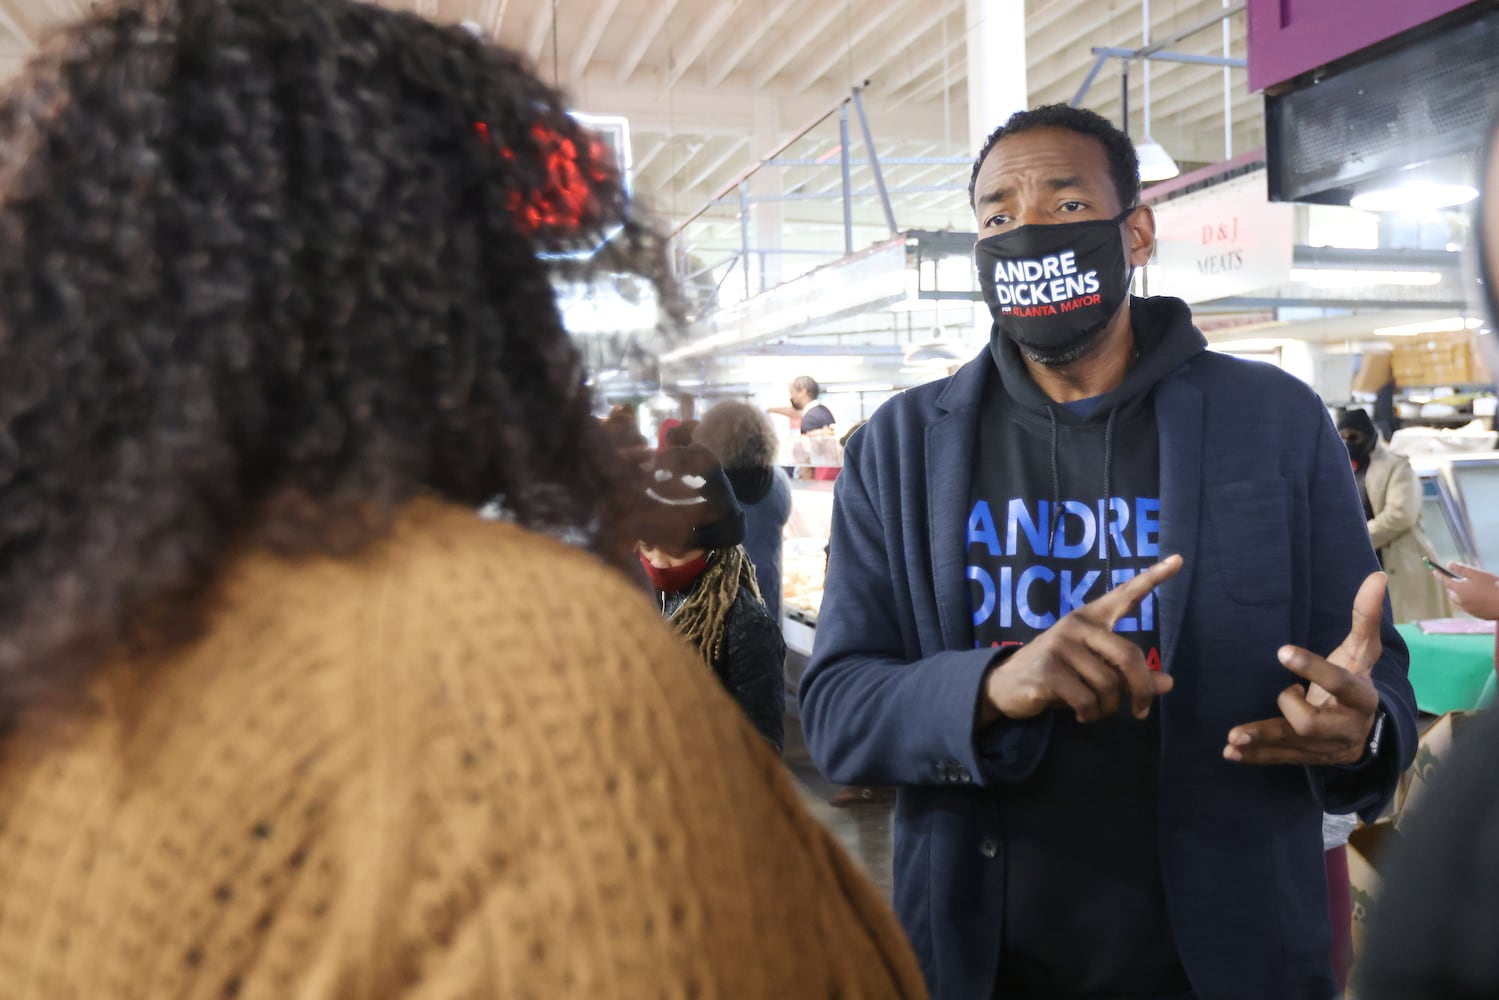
<point>703,618</point>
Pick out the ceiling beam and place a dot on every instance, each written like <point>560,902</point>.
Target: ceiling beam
<point>643,39</point>
<point>539,29</point>
<point>9,23</point>
<point>1118,26</point>
<point>1064,86</point>
<point>901,38</point>
<point>942,53</point>
<point>763,23</point>
<point>680,164</point>
<point>812,32</point>
<point>1066,55</point>
<point>867,26</point>
<point>644,161</point>
<point>706,29</point>
<point>730,111</point>
<point>592,34</point>
<point>734,148</point>
<point>492,18</point>
<point>938,84</point>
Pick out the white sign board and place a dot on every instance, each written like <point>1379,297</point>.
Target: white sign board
<point>1227,240</point>
<point>614,130</point>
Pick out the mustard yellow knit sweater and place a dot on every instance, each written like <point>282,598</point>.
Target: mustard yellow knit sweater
<point>470,763</point>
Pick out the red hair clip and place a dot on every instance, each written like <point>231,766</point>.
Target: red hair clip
<point>569,195</point>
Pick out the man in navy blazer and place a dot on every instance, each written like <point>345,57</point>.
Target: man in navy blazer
<point>1104,608</point>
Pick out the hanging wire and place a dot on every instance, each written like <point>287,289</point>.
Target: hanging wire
<point>1144,43</point>
<point>556,63</point>
<point>848,40</point>
<point>1228,105</point>
<point>946,121</point>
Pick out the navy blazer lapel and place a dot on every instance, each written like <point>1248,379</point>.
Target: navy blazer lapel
<point>949,449</point>
<point>1178,413</point>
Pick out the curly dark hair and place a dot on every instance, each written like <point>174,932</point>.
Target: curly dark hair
<point>741,435</point>
<point>268,270</point>
<point>1124,162</point>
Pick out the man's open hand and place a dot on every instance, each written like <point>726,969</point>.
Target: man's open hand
<point>1328,722</point>
<point>1081,663</point>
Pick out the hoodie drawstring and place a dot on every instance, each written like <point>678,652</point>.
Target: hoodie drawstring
<point>1108,498</point>
<point>1108,493</point>
<point>1056,487</point>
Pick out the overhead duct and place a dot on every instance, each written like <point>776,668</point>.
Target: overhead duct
<point>1427,95</point>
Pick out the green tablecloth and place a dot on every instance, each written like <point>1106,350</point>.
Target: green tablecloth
<point>1449,672</point>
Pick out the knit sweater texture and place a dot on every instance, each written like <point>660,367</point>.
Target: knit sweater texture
<point>468,763</point>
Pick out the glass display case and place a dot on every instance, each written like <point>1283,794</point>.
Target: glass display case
<point>803,568</point>
<point>1442,519</point>
<point>1474,480</point>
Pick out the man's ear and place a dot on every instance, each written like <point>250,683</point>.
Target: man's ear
<point>1140,231</point>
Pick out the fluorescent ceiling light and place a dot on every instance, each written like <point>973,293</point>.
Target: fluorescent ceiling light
<point>861,387</point>
<point>1342,278</point>
<point>1454,324</point>
<point>1155,163</point>
<point>935,352</point>
<point>1250,345</point>
<point>1415,196</point>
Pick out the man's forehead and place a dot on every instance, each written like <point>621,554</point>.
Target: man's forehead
<point>1051,152</point>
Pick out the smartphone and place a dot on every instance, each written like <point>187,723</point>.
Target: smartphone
<point>1441,569</point>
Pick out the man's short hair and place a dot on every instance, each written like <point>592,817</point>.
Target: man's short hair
<point>807,384</point>
<point>1124,162</point>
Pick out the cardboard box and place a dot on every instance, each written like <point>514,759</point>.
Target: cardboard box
<point>1374,371</point>
<point>1435,745</point>
<point>1367,848</point>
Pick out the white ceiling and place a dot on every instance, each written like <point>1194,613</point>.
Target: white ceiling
<point>711,85</point>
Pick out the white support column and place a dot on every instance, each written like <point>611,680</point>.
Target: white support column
<point>996,66</point>
<point>767,218</point>
<point>996,85</point>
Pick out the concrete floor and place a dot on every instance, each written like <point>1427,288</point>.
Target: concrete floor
<point>864,830</point>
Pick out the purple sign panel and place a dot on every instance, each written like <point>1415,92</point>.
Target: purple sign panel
<point>1289,37</point>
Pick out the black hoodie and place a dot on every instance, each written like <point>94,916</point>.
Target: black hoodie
<point>1066,499</point>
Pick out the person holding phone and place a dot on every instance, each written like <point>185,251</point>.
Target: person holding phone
<point>1102,608</point>
<point>1473,591</point>
<point>1391,495</point>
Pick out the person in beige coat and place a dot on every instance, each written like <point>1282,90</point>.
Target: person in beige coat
<point>1392,502</point>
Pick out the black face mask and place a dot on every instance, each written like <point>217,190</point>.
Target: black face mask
<point>1359,449</point>
<point>1052,289</point>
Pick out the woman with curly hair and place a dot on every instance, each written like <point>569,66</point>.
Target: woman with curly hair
<point>282,716</point>
<point>744,440</point>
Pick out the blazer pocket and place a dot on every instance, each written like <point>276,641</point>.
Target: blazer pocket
<point>1251,532</point>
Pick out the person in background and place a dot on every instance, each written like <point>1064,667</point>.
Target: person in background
<point>812,415</point>
<point>1476,593</point>
<point>623,430</point>
<point>745,442</point>
<point>1391,496</point>
<point>1386,419</point>
<point>679,434</point>
<point>1335,833</point>
<point>282,716</point>
<point>813,420</point>
<point>691,545</point>
<point>1435,920</point>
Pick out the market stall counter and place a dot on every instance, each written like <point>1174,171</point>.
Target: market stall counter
<point>1449,672</point>
<point>803,568</point>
